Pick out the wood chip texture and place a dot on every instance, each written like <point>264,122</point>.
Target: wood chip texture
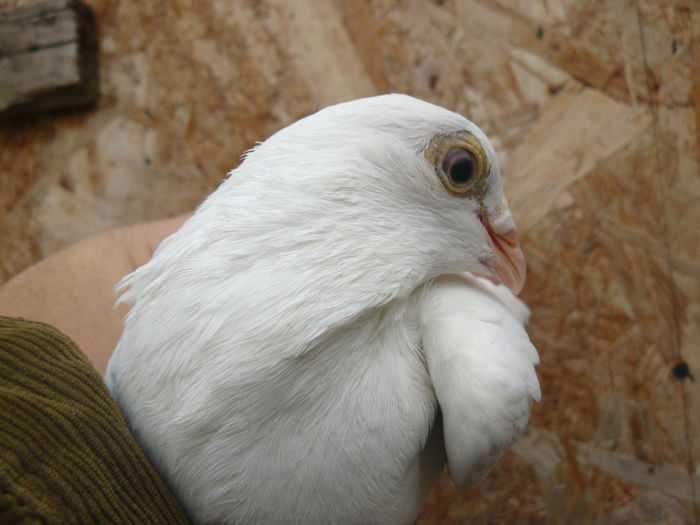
<point>594,109</point>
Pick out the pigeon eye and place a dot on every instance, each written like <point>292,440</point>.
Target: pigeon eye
<point>460,167</point>
<point>460,163</point>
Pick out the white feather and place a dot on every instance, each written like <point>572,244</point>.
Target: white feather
<point>272,365</point>
<point>481,363</point>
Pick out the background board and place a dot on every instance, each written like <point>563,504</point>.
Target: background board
<point>594,109</point>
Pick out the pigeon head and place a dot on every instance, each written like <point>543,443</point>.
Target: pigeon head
<point>407,179</point>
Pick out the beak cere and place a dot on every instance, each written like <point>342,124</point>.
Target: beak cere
<point>507,261</point>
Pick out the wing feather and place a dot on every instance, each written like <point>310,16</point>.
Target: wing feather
<point>481,363</point>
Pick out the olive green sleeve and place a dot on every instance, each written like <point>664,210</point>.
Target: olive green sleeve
<point>66,455</point>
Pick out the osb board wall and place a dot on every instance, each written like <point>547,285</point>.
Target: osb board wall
<point>600,161</point>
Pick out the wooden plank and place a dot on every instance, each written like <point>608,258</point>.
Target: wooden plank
<point>23,34</point>
<point>48,57</point>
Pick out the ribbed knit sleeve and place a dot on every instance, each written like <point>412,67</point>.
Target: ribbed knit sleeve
<point>66,455</point>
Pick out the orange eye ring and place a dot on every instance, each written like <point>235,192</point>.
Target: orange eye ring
<point>460,163</point>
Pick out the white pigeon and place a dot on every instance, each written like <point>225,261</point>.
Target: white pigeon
<point>309,346</point>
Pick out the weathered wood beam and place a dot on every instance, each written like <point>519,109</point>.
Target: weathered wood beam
<point>48,57</point>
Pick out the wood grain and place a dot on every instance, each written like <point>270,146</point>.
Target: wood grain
<point>48,57</point>
<point>599,140</point>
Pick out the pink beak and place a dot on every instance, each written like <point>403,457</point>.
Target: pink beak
<point>507,262</point>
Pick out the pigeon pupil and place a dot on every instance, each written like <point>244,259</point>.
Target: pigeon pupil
<point>462,171</point>
<point>459,166</point>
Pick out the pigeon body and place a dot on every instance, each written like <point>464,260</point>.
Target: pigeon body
<point>308,348</point>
